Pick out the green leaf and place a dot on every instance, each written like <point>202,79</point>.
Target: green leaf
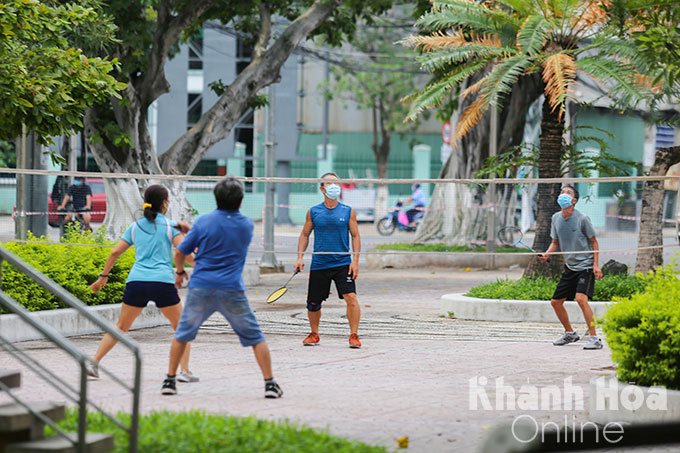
<point>534,34</point>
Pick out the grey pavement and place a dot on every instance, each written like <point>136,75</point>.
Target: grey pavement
<point>411,378</point>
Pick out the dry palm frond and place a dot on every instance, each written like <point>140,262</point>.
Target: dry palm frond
<point>470,117</point>
<point>645,81</point>
<point>436,40</point>
<point>486,40</point>
<point>472,88</point>
<point>559,73</point>
<point>594,13</point>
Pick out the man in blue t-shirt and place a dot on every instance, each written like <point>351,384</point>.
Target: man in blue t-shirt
<point>221,239</point>
<point>332,222</point>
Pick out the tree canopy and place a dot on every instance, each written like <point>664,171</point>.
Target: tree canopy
<point>518,37</point>
<point>46,83</point>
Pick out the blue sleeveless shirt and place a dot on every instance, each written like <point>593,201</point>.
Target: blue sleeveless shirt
<point>331,234</point>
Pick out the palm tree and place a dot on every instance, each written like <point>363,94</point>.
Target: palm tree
<point>510,39</point>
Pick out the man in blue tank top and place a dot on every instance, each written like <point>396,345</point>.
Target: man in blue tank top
<point>333,223</point>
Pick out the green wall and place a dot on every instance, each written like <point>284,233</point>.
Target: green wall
<point>626,142</point>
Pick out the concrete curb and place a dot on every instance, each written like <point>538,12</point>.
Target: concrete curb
<point>408,261</point>
<point>612,401</point>
<point>69,323</point>
<point>465,307</point>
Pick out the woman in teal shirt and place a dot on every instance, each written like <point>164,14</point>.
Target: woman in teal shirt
<point>151,277</point>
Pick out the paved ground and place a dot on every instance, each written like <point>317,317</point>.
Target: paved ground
<point>411,378</point>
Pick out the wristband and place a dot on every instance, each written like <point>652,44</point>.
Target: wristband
<point>104,275</point>
<point>180,273</point>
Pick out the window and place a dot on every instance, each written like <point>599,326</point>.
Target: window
<point>194,109</point>
<point>196,53</point>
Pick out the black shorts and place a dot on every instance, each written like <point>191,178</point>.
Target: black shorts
<point>573,282</point>
<point>320,285</point>
<point>139,294</point>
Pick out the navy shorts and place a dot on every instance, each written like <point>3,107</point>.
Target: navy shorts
<point>139,294</point>
<point>320,285</point>
<point>573,282</point>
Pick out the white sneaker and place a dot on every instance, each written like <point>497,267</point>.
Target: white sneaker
<point>92,369</point>
<point>593,343</point>
<point>186,377</point>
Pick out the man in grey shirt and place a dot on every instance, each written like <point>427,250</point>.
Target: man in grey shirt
<point>571,231</point>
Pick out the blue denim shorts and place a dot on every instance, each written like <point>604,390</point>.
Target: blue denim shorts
<point>201,303</point>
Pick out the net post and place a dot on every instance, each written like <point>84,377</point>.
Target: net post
<point>491,221</point>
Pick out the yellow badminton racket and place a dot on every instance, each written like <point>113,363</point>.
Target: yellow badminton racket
<point>276,295</point>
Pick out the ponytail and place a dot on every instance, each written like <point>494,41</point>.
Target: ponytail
<point>154,197</point>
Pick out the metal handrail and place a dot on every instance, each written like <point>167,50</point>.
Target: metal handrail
<point>73,302</point>
<point>55,381</point>
<point>66,346</point>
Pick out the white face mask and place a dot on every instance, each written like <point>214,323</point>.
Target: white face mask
<point>333,191</point>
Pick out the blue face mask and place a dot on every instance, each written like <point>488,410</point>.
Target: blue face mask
<point>333,191</point>
<point>564,200</point>
<point>77,182</point>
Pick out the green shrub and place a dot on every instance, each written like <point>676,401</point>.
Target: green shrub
<point>610,287</point>
<point>411,247</point>
<point>196,431</point>
<point>73,267</point>
<point>523,289</point>
<point>643,332</point>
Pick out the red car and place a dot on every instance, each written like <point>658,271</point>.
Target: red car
<point>98,202</point>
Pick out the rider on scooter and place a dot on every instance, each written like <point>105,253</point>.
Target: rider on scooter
<point>419,200</point>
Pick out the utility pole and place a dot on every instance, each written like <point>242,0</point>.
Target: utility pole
<point>21,224</point>
<point>491,221</point>
<point>268,263</point>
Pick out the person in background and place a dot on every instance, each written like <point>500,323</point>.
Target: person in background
<point>419,200</point>
<point>80,194</point>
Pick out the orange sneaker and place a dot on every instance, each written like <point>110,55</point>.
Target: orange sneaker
<point>311,340</point>
<point>354,342</point>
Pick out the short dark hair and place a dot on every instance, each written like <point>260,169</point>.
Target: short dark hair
<point>569,186</point>
<point>228,194</point>
<point>329,173</point>
<point>80,178</point>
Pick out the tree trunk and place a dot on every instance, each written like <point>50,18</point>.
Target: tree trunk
<point>455,213</point>
<point>651,217</point>
<point>382,194</point>
<point>124,197</point>
<point>130,116</point>
<point>549,166</point>
<point>381,151</point>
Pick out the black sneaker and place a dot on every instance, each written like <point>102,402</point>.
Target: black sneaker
<point>169,387</point>
<point>272,390</point>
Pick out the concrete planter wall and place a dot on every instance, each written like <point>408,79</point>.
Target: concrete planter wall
<point>631,403</point>
<point>464,307</point>
<point>69,323</point>
<point>397,261</point>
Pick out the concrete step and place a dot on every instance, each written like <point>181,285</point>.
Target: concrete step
<point>11,378</point>
<point>15,417</point>
<point>96,443</point>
